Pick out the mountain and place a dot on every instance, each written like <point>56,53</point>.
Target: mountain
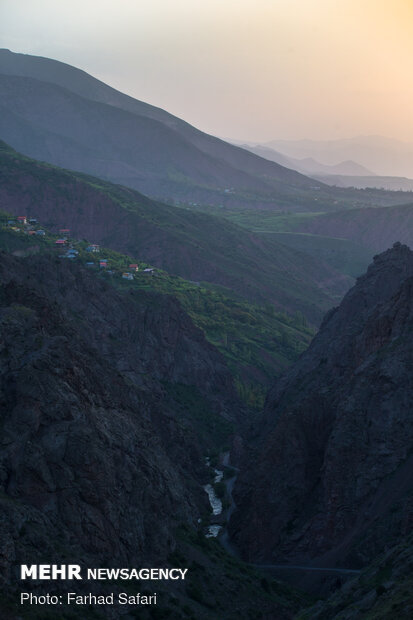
<point>99,464</point>
<point>375,229</point>
<point>255,341</point>
<point>385,156</point>
<point>309,165</point>
<point>331,483</point>
<point>59,114</point>
<point>196,246</point>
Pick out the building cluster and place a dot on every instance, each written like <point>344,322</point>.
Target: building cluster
<point>30,226</point>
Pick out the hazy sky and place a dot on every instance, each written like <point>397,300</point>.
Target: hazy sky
<point>247,69</point>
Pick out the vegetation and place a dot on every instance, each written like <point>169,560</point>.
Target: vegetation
<point>256,341</point>
<point>192,244</point>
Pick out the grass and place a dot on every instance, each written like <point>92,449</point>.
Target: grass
<point>256,341</point>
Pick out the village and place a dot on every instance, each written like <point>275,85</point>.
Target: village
<point>88,254</point>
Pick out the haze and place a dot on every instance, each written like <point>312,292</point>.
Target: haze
<point>247,69</point>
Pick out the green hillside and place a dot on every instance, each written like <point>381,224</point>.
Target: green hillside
<point>257,342</point>
<point>195,246</point>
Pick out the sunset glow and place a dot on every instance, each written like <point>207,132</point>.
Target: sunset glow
<point>247,69</point>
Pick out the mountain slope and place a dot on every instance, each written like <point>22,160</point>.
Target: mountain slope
<point>98,466</point>
<point>62,115</point>
<point>196,246</point>
<point>82,446</point>
<point>333,484</point>
<point>133,142</point>
<point>88,87</point>
<point>375,229</point>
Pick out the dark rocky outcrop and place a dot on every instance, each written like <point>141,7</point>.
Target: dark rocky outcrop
<point>333,484</point>
<point>94,463</point>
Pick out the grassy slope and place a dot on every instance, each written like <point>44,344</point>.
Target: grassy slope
<point>257,342</point>
<point>342,254</point>
<point>376,229</point>
<point>195,246</point>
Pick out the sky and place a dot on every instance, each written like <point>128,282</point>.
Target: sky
<point>241,69</point>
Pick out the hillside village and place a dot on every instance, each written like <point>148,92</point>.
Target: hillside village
<point>75,250</point>
<point>250,336</point>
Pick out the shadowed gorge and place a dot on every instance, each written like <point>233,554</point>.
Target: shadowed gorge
<point>335,460</point>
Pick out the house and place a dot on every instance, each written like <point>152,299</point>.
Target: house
<point>134,267</point>
<point>64,231</point>
<point>60,242</point>
<point>32,220</point>
<point>31,232</point>
<point>149,270</point>
<point>11,223</point>
<point>93,248</point>
<point>103,263</point>
<point>127,276</point>
<point>22,219</point>
<point>40,232</point>
<point>90,264</point>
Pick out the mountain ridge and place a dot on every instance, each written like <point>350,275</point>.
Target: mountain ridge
<point>333,484</point>
<point>239,167</point>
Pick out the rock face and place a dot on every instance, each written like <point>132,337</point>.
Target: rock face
<point>333,483</point>
<point>94,463</point>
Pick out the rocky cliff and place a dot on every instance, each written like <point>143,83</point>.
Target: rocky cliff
<point>332,484</point>
<point>94,461</point>
<point>109,400</point>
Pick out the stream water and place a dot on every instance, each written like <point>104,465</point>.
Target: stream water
<point>214,529</point>
<point>216,504</point>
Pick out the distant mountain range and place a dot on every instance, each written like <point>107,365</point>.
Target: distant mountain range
<point>344,174</point>
<point>308,165</point>
<point>384,156</point>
